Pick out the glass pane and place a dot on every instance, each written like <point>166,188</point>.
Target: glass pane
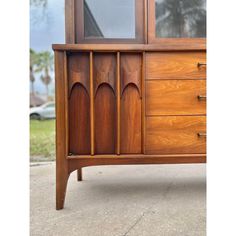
<point>180,18</point>
<point>109,18</point>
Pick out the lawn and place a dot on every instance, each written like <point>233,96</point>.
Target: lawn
<point>42,139</point>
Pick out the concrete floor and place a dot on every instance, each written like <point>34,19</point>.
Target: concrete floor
<point>141,200</point>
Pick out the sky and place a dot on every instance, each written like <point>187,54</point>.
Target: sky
<point>46,27</point>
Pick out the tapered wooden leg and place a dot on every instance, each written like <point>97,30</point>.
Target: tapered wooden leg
<point>62,173</point>
<point>79,174</point>
<point>61,184</point>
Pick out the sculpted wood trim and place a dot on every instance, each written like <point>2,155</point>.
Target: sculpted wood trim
<point>131,107</point>
<point>104,71</point>
<point>78,66</point>
<point>105,111</point>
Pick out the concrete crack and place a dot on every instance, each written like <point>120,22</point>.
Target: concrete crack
<point>149,209</point>
<point>135,223</point>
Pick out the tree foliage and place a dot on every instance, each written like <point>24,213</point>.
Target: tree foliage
<point>180,18</point>
<point>42,63</point>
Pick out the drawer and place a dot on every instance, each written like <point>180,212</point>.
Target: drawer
<point>176,135</point>
<point>175,97</point>
<point>181,65</point>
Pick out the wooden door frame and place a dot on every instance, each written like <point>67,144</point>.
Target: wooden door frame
<point>188,43</point>
<point>74,18</point>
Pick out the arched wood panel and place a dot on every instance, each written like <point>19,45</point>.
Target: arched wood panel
<point>104,75</point>
<point>79,103</point>
<point>79,121</point>
<point>78,70</point>
<point>104,70</point>
<point>131,103</point>
<point>131,135</point>
<point>105,120</point>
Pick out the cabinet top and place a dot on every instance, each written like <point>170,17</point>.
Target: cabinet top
<point>163,45</point>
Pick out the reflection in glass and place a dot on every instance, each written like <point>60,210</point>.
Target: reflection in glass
<point>180,18</point>
<point>109,18</point>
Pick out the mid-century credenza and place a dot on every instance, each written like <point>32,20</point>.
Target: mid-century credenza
<point>130,85</point>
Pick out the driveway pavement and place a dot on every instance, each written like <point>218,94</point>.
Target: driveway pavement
<point>141,200</point>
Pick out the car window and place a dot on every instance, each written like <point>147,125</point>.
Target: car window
<point>50,105</point>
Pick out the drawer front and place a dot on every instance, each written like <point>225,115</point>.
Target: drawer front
<point>176,135</point>
<point>180,65</point>
<point>175,97</point>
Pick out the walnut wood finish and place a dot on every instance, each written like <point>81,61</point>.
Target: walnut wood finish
<point>79,104</point>
<point>181,65</point>
<point>131,135</point>
<point>78,162</point>
<point>105,103</point>
<point>131,124</point>
<point>175,135</point>
<point>175,97</point>
<point>79,125</point>
<point>70,21</point>
<point>91,86</point>
<point>113,108</point>
<point>118,103</point>
<point>104,71</point>
<point>160,47</point>
<point>78,64</point>
<point>62,171</point>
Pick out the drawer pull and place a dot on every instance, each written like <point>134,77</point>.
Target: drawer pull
<point>201,134</point>
<point>199,64</point>
<point>201,97</point>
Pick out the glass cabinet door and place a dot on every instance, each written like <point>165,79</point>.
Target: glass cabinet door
<point>177,19</point>
<point>109,21</point>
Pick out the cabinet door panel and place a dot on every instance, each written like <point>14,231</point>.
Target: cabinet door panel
<point>130,121</point>
<point>131,73</point>
<point>79,105</point>
<point>79,121</point>
<point>105,121</point>
<point>105,103</point>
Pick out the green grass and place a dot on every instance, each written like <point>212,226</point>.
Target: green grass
<point>42,139</point>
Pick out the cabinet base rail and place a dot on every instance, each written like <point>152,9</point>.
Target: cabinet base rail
<point>78,162</point>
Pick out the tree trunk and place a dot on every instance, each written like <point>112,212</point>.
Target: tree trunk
<point>47,91</point>
<point>32,87</point>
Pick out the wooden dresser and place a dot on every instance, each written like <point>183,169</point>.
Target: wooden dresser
<point>141,102</point>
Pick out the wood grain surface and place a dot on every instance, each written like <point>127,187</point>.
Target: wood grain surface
<point>105,120</point>
<point>61,128</point>
<point>131,131</point>
<point>181,65</point>
<point>104,70</point>
<point>131,116</point>
<point>175,97</point>
<point>78,70</point>
<point>79,107</point>
<point>162,46</point>
<point>175,135</point>
<point>79,121</point>
<point>104,76</point>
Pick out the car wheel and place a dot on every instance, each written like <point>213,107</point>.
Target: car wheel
<point>35,117</point>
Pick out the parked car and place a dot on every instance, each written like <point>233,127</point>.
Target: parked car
<point>45,111</point>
